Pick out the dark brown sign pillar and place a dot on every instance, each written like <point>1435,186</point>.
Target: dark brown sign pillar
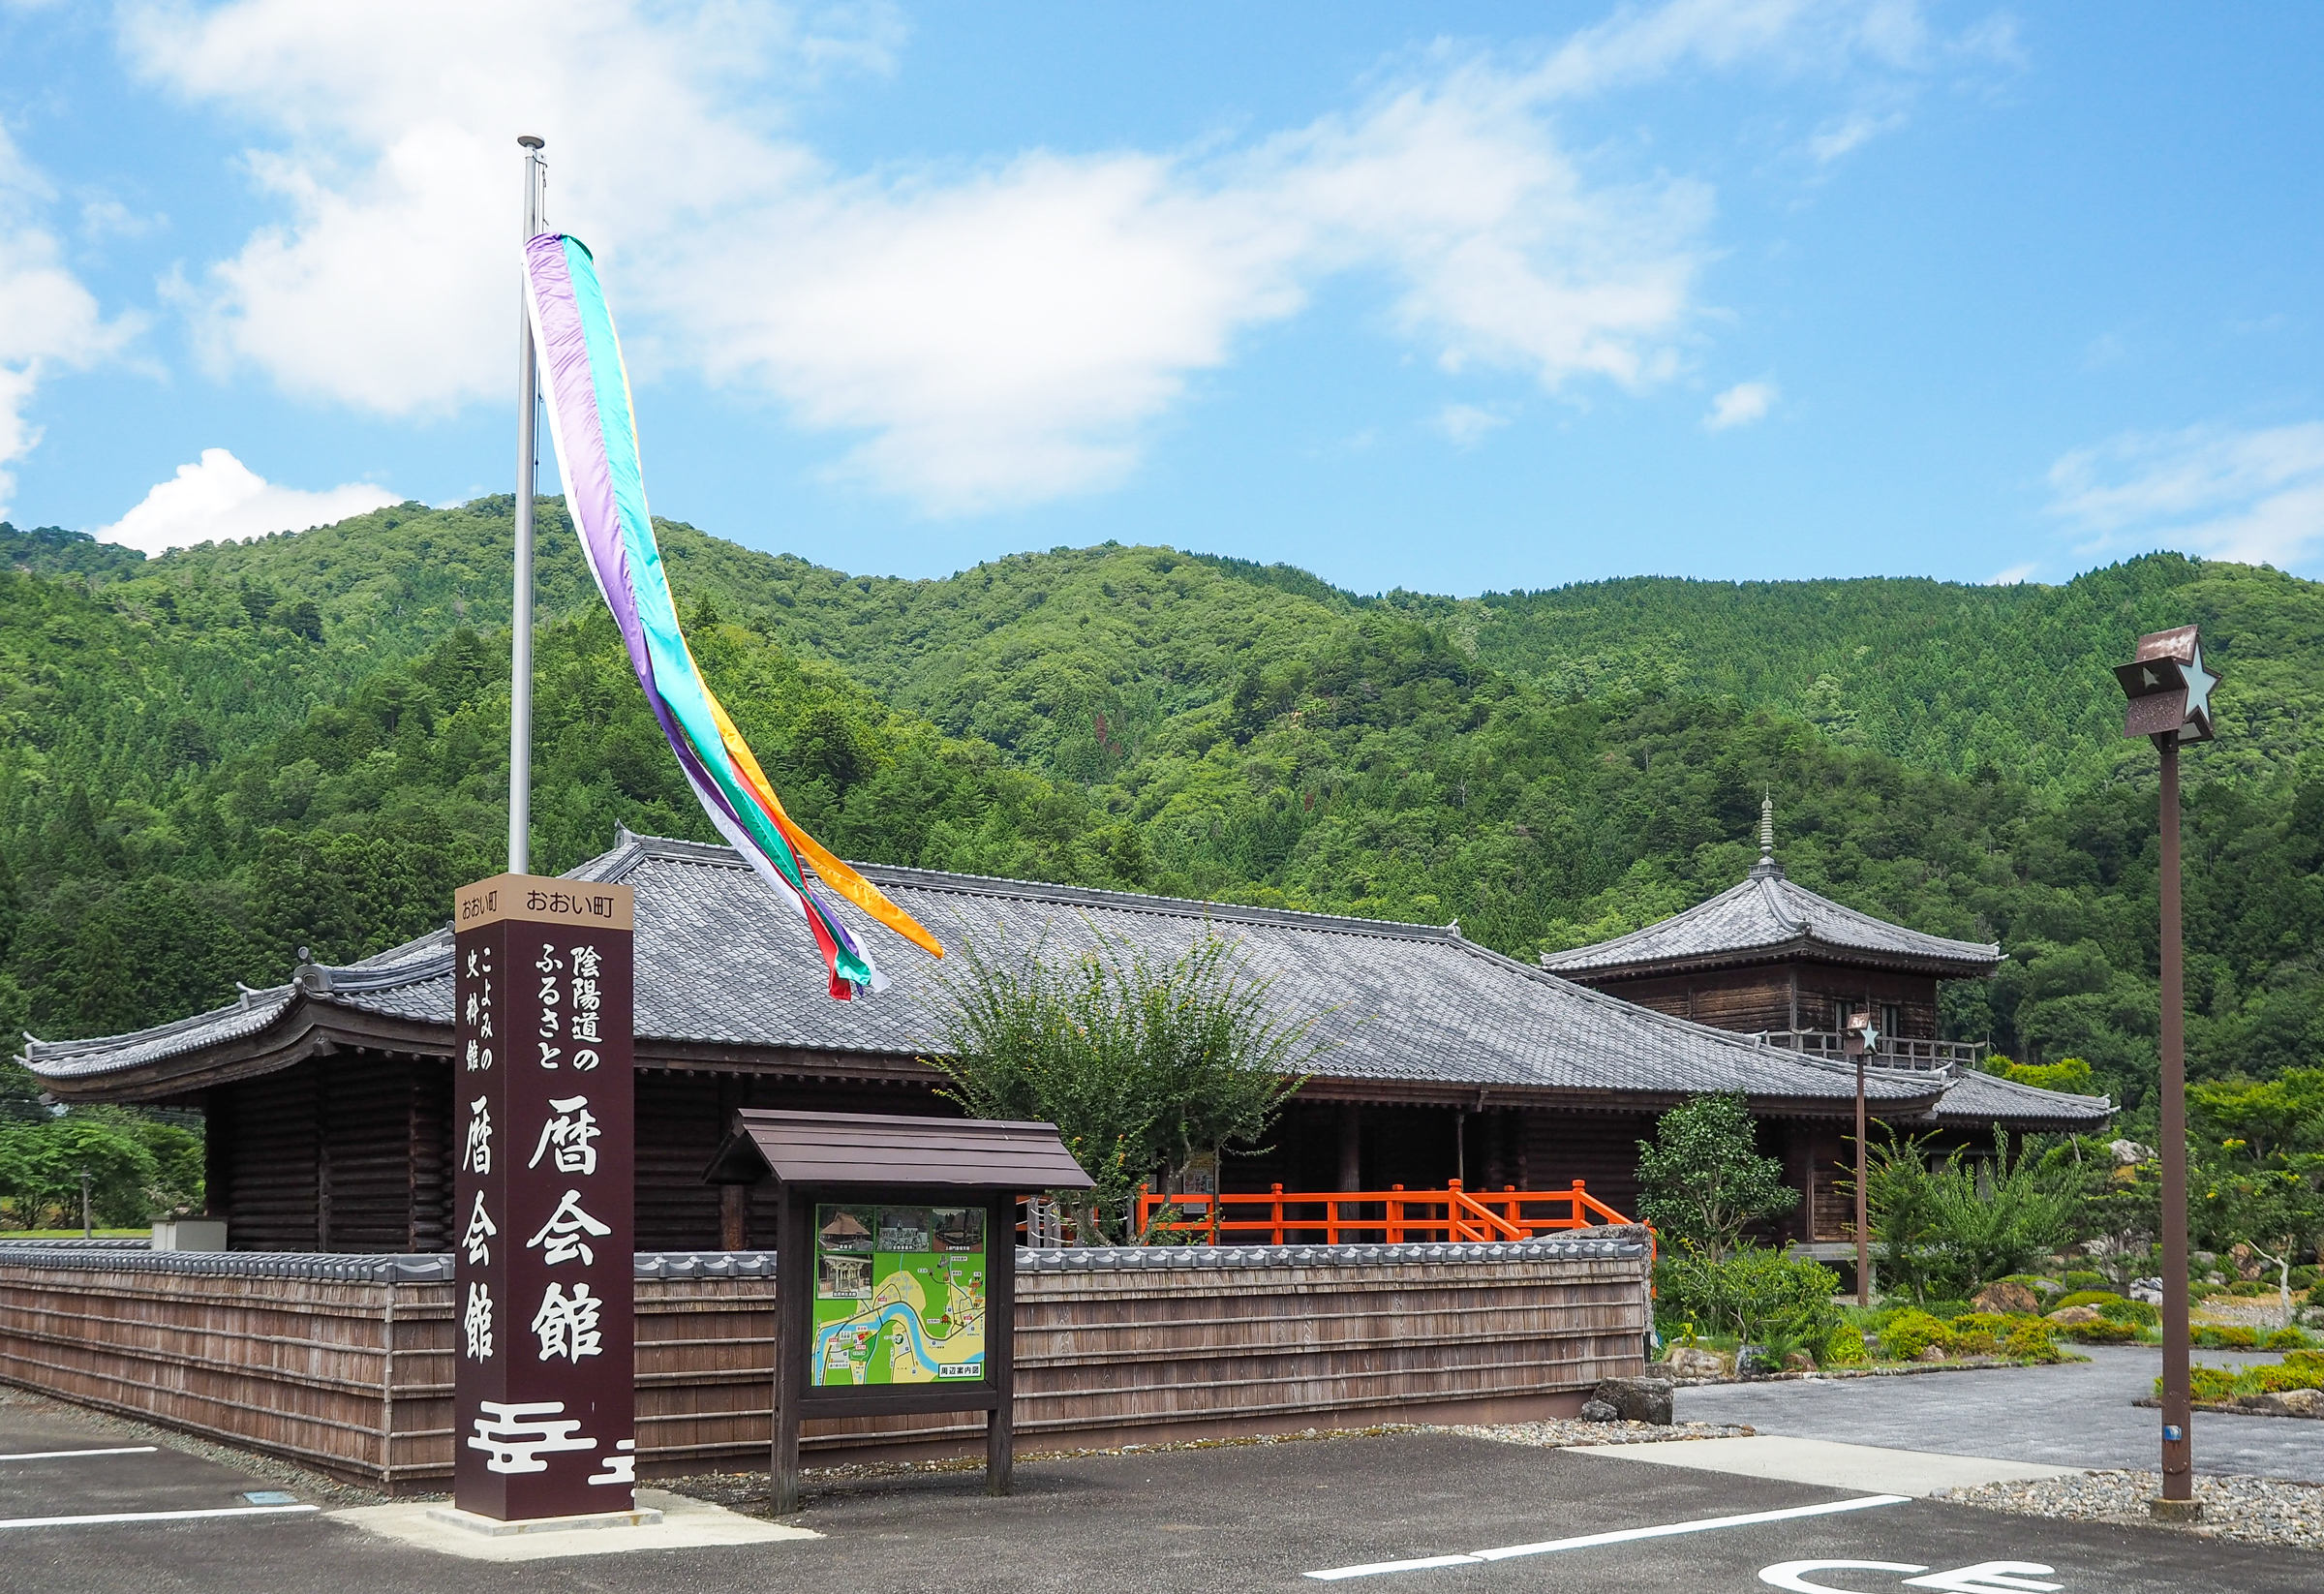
<point>544,1131</point>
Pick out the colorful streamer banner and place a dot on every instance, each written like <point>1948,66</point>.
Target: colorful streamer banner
<point>594,431</point>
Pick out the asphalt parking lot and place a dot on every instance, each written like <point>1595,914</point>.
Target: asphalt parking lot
<point>1233,1517</point>
<point>2076,1414</point>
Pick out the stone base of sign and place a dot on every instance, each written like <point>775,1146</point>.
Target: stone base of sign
<point>468,1522</point>
<point>681,1524</point>
<point>2174,1511</point>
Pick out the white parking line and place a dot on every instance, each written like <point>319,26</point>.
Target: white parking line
<point>152,1516</point>
<point>53,1454</point>
<point>1551,1547</point>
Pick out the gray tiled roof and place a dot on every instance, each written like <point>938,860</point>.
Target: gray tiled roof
<point>1987,1098</point>
<point>1766,913</point>
<point>722,966</point>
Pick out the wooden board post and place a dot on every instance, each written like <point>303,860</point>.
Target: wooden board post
<point>543,1232</point>
<point>896,1268</point>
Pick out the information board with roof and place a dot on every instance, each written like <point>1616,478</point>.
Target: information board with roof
<point>905,1228</point>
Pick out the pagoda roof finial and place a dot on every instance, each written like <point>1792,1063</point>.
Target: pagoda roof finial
<point>1767,867</point>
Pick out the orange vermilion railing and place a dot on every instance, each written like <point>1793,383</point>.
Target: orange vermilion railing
<point>1395,1215</point>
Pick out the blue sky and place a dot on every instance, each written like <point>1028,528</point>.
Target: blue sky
<point>1526,296</point>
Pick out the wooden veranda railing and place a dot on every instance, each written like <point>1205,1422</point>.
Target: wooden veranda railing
<point>1397,1215</point>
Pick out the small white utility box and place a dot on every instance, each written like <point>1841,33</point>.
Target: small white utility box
<point>189,1234</point>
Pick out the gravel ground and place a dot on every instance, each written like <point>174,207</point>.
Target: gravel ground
<point>2256,1511</point>
<point>1572,1431</point>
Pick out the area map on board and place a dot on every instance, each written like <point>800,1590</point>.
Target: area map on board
<point>900,1295</point>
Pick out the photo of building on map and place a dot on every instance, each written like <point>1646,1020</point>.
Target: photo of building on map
<point>845,1228</point>
<point>904,1229</point>
<point>912,1310</point>
<point>843,1279</point>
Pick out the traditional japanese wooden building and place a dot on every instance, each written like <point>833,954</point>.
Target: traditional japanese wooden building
<point>1773,961</point>
<point>330,1108</point>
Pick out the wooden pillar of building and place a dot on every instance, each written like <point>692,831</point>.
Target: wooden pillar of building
<point>1351,1145</point>
<point>217,1150</point>
<point>734,1200</point>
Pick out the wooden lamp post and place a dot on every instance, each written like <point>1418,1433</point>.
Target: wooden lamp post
<point>2170,704</point>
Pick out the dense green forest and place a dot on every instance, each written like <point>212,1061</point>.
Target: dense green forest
<point>210,758</point>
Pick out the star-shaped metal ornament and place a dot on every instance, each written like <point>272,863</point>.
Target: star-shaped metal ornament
<point>2168,688</point>
<point>2199,682</point>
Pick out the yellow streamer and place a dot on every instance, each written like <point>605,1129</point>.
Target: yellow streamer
<point>831,869</point>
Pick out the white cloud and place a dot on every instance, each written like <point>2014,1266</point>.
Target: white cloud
<point>2254,496</point>
<point>995,333</point>
<point>1855,129</point>
<point>1740,404</point>
<point>1469,424</point>
<point>222,499</point>
<point>2013,575</point>
<point>47,317</point>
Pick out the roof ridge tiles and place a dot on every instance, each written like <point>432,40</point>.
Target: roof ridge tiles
<point>675,850</point>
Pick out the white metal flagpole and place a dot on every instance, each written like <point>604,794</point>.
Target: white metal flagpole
<point>520,681</point>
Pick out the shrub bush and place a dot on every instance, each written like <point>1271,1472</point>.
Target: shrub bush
<point>2287,1339</point>
<point>2250,1287</point>
<point>2104,1332</point>
<point>2288,1375</point>
<point>1844,1347</point>
<point>1752,1293</point>
<point>2082,1279</point>
<point>1980,1334</point>
<point>2206,1383</point>
<point>2304,1358</point>
<point>2305,1277</point>
<point>2116,1307</point>
<point>2226,1383</point>
<point>2236,1337</point>
<point>2030,1339</point>
<point>1909,1333</point>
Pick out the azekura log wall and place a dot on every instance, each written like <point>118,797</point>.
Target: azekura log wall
<point>345,1362</point>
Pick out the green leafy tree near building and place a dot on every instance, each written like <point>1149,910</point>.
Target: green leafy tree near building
<point>1702,1180</point>
<point>1142,1065</point>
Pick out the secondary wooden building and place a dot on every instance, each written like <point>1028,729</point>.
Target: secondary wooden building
<point>329,1097</point>
<point>1774,961</point>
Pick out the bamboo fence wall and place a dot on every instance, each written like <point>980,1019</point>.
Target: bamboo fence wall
<point>346,1364</point>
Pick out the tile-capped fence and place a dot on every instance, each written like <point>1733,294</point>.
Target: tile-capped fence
<point>345,1362</point>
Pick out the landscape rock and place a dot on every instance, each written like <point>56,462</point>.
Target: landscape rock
<point>1931,1353</point>
<point>2004,1299</point>
<point>1694,1362</point>
<point>2303,1403</point>
<point>1799,1362</point>
<point>2149,1290</point>
<point>2067,1317</point>
<point>1598,1411</point>
<point>1634,1399</point>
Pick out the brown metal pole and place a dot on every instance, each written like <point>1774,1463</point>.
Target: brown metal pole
<point>1863,1239</point>
<point>2178,1448</point>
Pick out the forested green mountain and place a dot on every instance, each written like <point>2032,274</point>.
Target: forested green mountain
<point>210,758</point>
